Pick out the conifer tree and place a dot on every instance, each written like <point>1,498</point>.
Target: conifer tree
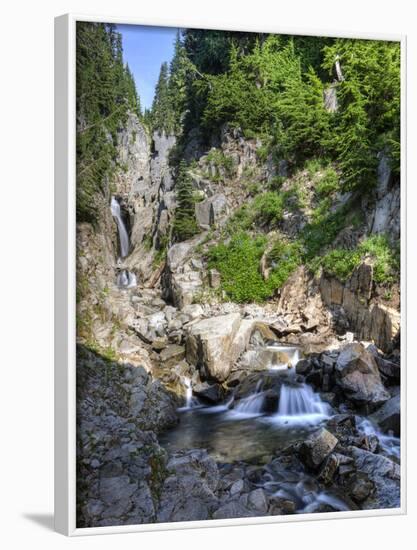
<point>177,82</point>
<point>185,225</point>
<point>162,113</point>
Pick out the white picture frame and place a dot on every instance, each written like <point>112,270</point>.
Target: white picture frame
<point>65,254</point>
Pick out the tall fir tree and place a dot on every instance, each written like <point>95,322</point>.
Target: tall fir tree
<point>162,112</point>
<point>185,225</point>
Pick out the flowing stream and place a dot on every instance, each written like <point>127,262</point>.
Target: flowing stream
<point>126,279</point>
<point>244,429</point>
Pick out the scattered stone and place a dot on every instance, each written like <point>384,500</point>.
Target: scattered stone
<point>328,469</point>
<point>317,447</point>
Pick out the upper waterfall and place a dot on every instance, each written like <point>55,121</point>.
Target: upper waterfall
<point>123,235</point>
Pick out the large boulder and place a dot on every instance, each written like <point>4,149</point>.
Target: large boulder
<point>214,344</point>
<point>358,376</point>
<point>317,447</point>
<point>188,493</point>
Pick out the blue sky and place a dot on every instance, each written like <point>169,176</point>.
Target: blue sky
<point>145,49</point>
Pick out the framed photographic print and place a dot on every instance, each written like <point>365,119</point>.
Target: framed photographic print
<point>229,276</point>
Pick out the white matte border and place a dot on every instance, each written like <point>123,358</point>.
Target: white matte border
<point>65,284</point>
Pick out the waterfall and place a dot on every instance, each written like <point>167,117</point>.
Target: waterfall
<point>300,405</point>
<point>123,235</point>
<point>191,402</point>
<point>252,404</point>
<point>126,279</point>
<point>277,363</point>
<point>300,400</point>
<point>188,392</point>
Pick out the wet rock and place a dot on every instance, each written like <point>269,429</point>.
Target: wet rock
<point>358,376</point>
<point>304,367</point>
<point>361,487</point>
<point>385,475</point>
<point>317,447</point>
<point>270,403</point>
<point>281,506</point>
<point>388,417</point>
<point>329,469</point>
<point>188,493</point>
<point>211,393</point>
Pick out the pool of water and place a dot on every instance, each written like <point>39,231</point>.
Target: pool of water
<point>230,435</point>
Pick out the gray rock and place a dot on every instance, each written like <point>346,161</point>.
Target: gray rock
<point>384,474</point>
<point>358,376</point>
<point>213,393</point>
<point>172,355</point>
<point>258,501</point>
<point>188,492</point>
<point>207,212</point>
<point>388,417</point>
<point>213,345</point>
<point>317,447</point>
<point>214,278</point>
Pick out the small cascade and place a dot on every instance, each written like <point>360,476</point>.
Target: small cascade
<point>253,404</point>
<point>300,400</point>
<point>300,404</point>
<point>191,402</point>
<point>123,235</point>
<point>283,357</point>
<point>126,279</point>
<point>390,445</point>
<point>188,392</point>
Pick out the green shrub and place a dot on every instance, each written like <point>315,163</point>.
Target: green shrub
<point>268,209</point>
<point>340,262</point>
<point>239,265</point>
<point>275,183</point>
<point>327,184</point>
<point>221,162</point>
<point>385,255</point>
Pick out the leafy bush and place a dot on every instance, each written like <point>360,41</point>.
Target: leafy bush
<point>328,183</point>
<point>222,162</point>
<point>268,209</point>
<point>239,265</point>
<point>386,257</point>
<point>275,183</point>
<point>341,263</point>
